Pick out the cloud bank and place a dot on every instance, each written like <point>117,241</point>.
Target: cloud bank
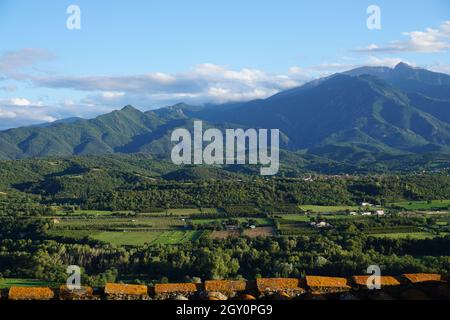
<point>428,41</point>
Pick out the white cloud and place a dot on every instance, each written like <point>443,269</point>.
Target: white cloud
<point>6,114</point>
<point>385,62</point>
<point>439,67</point>
<point>20,102</point>
<point>16,112</point>
<point>13,63</point>
<point>206,83</point>
<point>428,41</point>
<point>112,95</point>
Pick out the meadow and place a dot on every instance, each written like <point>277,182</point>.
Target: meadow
<point>322,209</point>
<point>404,235</point>
<point>137,238</point>
<point>7,283</point>
<point>423,205</point>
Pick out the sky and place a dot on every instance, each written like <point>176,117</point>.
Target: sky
<point>151,54</point>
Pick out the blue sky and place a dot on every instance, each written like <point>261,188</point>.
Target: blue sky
<point>155,53</point>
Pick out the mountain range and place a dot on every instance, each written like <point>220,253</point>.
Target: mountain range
<point>364,114</point>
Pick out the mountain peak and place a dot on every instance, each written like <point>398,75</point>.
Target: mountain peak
<point>403,66</point>
<point>129,108</point>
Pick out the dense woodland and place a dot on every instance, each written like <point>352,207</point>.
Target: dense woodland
<point>140,183</point>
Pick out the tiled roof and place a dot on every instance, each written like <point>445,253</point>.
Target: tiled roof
<point>384,281</point>
<point>422,277</point>
<point>406,287</point>
<point>225,285</point>
<point>125,289</point>
<point>326,282</point>
<point>277,284</point>
<point>176,287</point>
<point>27,293</point>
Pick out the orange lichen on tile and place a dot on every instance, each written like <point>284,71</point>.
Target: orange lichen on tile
<point>175,287</point>
<point>30,293</point>
<point>422,277</point>
<point>225,285</point>
<point>126,289</point>
<point>326,282</point>
<point>384,281</point>
<point>277,284</point>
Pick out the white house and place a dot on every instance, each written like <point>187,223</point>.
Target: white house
<point>380,212</point>
<point>322,224</point>
<point>366,204</point>
<point>366,213</point>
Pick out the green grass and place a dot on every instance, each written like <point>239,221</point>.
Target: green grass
<point>320,209</point>
<point>100,223</point>
<point>7,283</point>
<point>151,237</point>
<point>305,218</point>
<point>296,218</point>
<point>423,205</point>
<point>73,234</point>
<point>412,235</point>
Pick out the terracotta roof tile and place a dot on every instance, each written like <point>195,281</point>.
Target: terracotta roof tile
<point>175,287</point>
<point>225,285</point>
<point>30,293</point>
<point>125,289</point>
<point>277,284</point>
<point>385,280</point>
<point>326,282</point>
<point>422,277</point>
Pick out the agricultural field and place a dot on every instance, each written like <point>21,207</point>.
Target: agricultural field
<point>118,224</point>
<point>136,238</point>
<point>308,218</point>
<point>220,235</point>
<point>7,283</point>
<point>176,226</point>
<point>404,235</point>
<point>161,213</point>
<point>268,231</point>
<point>181,212</point>
<point>90,213</point>
<point>423,205</point>
<point>323,209</point>
<point>125,230</point>
<point>260,232</point>
<point>259,222</point>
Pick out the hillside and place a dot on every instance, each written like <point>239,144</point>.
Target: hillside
<point>361,116</point>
